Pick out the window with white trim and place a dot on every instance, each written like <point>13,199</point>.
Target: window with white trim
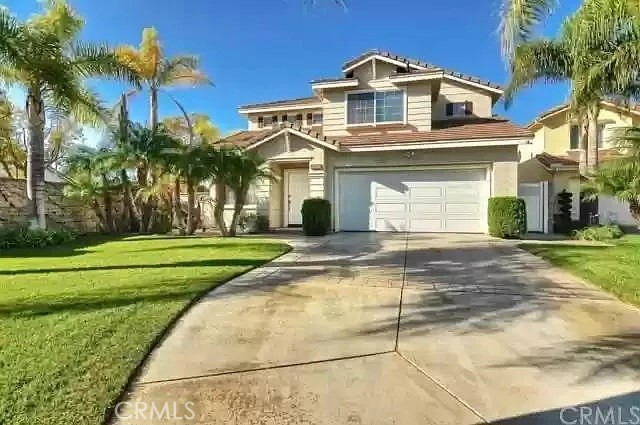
<point>260,122</point>
<point>375,107</point>
<point>317,118</point>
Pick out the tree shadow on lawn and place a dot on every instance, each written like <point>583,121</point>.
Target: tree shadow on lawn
<point>168,290</point>
<point>80,246</point>
<point>223,262</point>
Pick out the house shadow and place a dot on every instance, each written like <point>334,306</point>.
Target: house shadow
<point>623,409</point>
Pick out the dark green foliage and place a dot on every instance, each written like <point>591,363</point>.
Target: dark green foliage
<point>316,217</point>
<point>23,237</point>
<point>507,217</point>
<point>562,220</point>
<point>599,233</point>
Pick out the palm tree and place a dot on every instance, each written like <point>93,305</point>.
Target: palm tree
<point>44,58</point>
<point>158,71</point>
<point>246,169</point>
<point>93,181</point>
<point>576,56</point>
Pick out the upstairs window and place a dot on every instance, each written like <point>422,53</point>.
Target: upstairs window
<point>274,120</point>
<point>309,119</point>
<point>299,119</point>
<point>574,137</point>
<point>375,107</point>
<point>260,122</point>
<point>317,118</point>
<point>285,118</point>
<point>459,109</point>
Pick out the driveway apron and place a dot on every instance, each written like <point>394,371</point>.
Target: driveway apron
<point>365,328</point>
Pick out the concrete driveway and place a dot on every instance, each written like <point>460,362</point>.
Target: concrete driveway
<point>397,329</point>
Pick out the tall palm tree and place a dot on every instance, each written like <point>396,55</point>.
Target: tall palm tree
<point>158,72</point>
<point>575,55</point>
<point>44,57</point>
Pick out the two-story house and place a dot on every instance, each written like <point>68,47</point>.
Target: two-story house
<point>395,144</point>
<point>550,164</point>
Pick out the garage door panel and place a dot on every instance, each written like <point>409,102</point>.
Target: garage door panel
<point>390,207</point>
<point>431,208</point>
<point>430,200</point>
<point>426,225</point>
<point>466,209</point>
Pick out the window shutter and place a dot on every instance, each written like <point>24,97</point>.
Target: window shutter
<point>468,108</point>
<point>449,109</point>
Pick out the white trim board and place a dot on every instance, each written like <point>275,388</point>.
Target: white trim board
<point>300,134</point>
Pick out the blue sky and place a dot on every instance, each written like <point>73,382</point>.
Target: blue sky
<point>261,50</point>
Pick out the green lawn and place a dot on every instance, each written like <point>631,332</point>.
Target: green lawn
<point>613,268</point>
<point>75,321</point>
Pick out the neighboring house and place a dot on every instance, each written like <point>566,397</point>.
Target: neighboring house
<point>394,144</point>
<point>550,164</point>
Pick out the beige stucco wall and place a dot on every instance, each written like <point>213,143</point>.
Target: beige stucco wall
<point>453,92</point>
<point>531,171</point>
<point>556,129</point>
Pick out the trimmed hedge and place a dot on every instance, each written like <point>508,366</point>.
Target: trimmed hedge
<point>24,237</point>
<point>316,217</point>
<point>507,217</point>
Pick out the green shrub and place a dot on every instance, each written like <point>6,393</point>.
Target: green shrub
<point>507,217</point>
<point>23,237</point>
<point>599,233</point>
<point>316,217</point>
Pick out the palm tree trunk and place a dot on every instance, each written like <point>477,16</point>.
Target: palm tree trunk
<point>218,209</point>
<point>153,108</point>
<point>129,204</point>
<point>108,205</point>
<point>95,205</point>
<point>592,154</point>
<point>177,207</point>
<point>191,199</point>
<point>237,210</point>
<point>36,191</point>
<point>584,135</point>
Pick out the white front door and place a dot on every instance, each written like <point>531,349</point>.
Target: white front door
<point>429,200</point>
<point>296,191</point>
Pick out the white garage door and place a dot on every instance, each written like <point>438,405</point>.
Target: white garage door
<point>415,201</point>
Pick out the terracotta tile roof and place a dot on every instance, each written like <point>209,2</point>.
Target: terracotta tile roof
<point>286,102</point>
<point>549,161</point>
<point>242,139</point>
<point>443,131</point>
<point>429,67</point>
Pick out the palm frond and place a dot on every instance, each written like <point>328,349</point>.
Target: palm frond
<point>545,60</point>
<point>59,19</point>
<point>182,70</point>
<point>518,19</point>
<point>99,60</point>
